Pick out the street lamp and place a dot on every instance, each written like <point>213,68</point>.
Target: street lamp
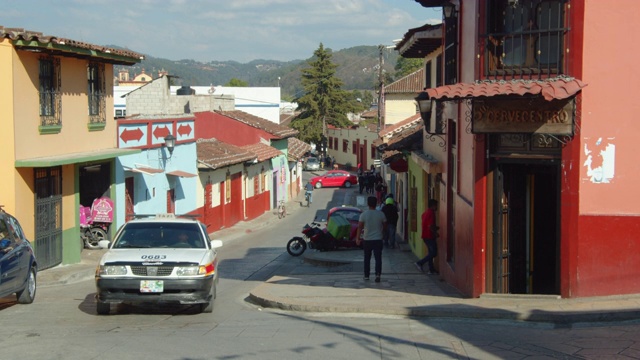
<point>424,104</point>
<point>449,10</point>
<point>170,143</point>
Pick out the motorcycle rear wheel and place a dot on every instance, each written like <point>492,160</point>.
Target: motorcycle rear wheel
<point>94,238</point>
<point>296,246</point>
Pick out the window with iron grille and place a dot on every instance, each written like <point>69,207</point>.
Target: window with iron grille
<point>451,50</point>
<point>354,147</point>
<point>524,38</point>
<point>96,93</point>
<point>439,70</point>
<point>330,142</point>
<point>373,152</point>
<point>50,97</point>
<point>345,146</point>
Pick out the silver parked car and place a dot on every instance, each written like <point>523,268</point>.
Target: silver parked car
<point>312,164</point>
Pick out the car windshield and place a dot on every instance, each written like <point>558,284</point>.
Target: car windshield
<point>160,235</point>
<point>312,161</point>
<point>350,215</point>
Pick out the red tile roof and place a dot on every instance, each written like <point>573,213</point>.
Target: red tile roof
<point>409,122</point>
<point>277,130</point>
<point>550,89</point>
<point>25,39</point>
<point>296,149</point>
<point>263,151</point>
<point>215,154</point>
<point>412,83</point>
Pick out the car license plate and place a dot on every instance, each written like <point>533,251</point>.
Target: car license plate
<point>151,286</point>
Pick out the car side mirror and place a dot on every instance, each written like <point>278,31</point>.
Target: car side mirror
<point>216,244</point>
<point>104,244</point>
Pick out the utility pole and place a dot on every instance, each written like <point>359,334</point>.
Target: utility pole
<point>381,88</point>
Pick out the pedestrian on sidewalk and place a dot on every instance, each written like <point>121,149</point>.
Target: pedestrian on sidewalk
<point>429,236</point>
<point>374,224</point>
<point>390,211</point>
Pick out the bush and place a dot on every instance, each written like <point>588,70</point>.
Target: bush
<point>348,166</point>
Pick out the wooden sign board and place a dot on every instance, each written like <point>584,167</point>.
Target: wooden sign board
<point>523,115</point>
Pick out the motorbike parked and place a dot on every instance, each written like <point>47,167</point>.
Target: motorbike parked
<point>317,238</point>
<point>95,222</point>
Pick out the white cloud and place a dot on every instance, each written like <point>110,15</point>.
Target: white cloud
<point>240,30</point>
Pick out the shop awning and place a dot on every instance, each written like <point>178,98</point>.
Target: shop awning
<point>74,158</point>
<point>144,170</point>
<point>181,173</point>
<point>427,162</point>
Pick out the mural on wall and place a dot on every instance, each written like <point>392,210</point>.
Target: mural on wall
<point>600,160</point>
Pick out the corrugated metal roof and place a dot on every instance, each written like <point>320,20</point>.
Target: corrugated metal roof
<point>215,154</point>
<point>52,44</point>
<point>412,83</point>
<point>272,128</point>
<point>550,89</point>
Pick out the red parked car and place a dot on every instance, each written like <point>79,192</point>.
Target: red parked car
<point>334,178</point>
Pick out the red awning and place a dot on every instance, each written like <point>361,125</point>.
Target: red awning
<point>181,173</point>
<point>557,88</point>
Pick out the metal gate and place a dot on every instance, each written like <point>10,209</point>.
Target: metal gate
<point>48,217</point>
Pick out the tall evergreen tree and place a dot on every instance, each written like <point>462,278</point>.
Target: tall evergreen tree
<point>323,101</point>
<point>406,66</point>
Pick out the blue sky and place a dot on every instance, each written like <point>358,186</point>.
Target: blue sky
<point>205,30</point>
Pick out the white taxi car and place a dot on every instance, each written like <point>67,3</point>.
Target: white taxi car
<point>156,260</point>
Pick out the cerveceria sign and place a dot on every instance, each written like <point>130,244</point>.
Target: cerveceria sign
<point>531,115</point>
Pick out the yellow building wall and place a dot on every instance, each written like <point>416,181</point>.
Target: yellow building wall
<point>7,147</point>
<point>74,111</point>
<point>398,107</point>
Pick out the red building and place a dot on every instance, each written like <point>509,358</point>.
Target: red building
<point>537,190</point>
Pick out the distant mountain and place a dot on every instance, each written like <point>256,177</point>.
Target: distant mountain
<point>357,67</point>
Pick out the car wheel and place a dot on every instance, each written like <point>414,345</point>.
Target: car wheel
<point>318,185</point>
<point>103,308</point>
<point>347,184</point>
<point>28,294</point>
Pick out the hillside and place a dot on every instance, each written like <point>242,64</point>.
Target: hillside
<point>357,67</point>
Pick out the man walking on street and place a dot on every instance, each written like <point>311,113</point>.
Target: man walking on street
<point>374,224</point>
<point>390,211</point>
<point>429,236</point>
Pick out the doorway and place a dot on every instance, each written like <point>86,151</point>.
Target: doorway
<point>526,228</point>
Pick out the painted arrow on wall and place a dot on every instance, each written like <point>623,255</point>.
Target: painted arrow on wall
<point>161,132</point>
<point>128,135</point>
<point>184,129</point>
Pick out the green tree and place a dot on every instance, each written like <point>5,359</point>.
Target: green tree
<point>323,100</point>
<point>406,66</point>
<point>234,82</point>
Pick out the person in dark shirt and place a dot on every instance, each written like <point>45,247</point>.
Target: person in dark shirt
<point>390,210</point>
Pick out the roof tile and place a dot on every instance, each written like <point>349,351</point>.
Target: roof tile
<point>263,151</point>
<point>16,34</point>
<point>272,128</point>
<point>412,83</point>
<point>215,154</point>
<point>550,89</point>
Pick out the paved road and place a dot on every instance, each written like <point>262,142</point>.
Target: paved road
<point>62,323</point>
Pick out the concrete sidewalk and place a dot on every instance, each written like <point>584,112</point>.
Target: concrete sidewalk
<point>405,291</point>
